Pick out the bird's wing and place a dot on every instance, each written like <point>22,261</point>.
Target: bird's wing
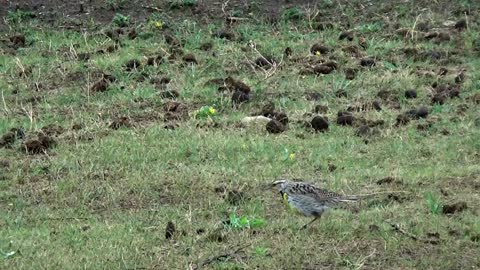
<point>307,205</point>
<point>319,194</point>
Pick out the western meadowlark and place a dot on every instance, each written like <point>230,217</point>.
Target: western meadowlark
<point>308,199</point>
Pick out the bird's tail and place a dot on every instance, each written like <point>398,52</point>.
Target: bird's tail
<point>354,198</point>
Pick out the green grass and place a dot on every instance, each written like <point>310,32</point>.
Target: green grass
<point>101,198</point>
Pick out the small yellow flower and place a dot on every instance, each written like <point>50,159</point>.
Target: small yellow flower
<point>291,156</point>
<point>317,53</point>
<point>212,110</point>
<point>158,24</point>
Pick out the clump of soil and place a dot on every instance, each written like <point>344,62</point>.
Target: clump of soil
<point>275,126</point>
<point>420,112</point>
<point>83,56</point>
<point>450,209</point>
<point>350,73</point>
<point>102,84</point>
<point>390,98</point>
<point>132,34</point>
<point>233,85</point>
<point>367,62</point>
<point>120,122</point>
<point>190,59</point>
<point>206,46</point>
<point>438,37</point>
<point>160,82</point>
<point>40,145</point>
<point>387,180</point>
<point>281,117</point>
<point>409,94</point>
<point>114,34</point>
<point>132,64</point>
<point>461,24</point>
<point>239,97</point>
<point>175,110</point>
<point>171,94</point>
<point>319,124</point>
<point>345,118</point>
<point>365,106</point>
<point>52,130</point>
<point>266,61</point>
<point>225,34</point>
<point>268,110</point>
<point>402,119</point>
<point>319,49</point>
<point>236,197</point>
<point>320,109</point>
<point>444,91</point>
<point>170,230</point>
<point>288,52</point>
<point>171,39</point>
<point>154,60</point>
<point>313,95</point>
<point>18,41</point>
<point>348,35</point>
<point>9,138</point>
<point>365,131</point>
<point>217,235</point>
<point>323,69</point>
<point>77,126</point>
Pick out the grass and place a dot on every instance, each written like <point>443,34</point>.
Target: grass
<point>101,198</point>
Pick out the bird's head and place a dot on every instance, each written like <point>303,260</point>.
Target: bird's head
<point>279,184</point>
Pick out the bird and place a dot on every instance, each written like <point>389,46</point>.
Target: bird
<point>307,199</point>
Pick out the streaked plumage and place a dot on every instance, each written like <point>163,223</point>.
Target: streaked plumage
<point>308,199</point>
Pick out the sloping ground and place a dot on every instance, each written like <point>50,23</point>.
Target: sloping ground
<point>124,146</point>
<point>103,10</point>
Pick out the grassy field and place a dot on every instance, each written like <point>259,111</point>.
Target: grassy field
<point>97,156</point>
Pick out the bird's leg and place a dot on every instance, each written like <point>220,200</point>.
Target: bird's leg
<point>306,225</point>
